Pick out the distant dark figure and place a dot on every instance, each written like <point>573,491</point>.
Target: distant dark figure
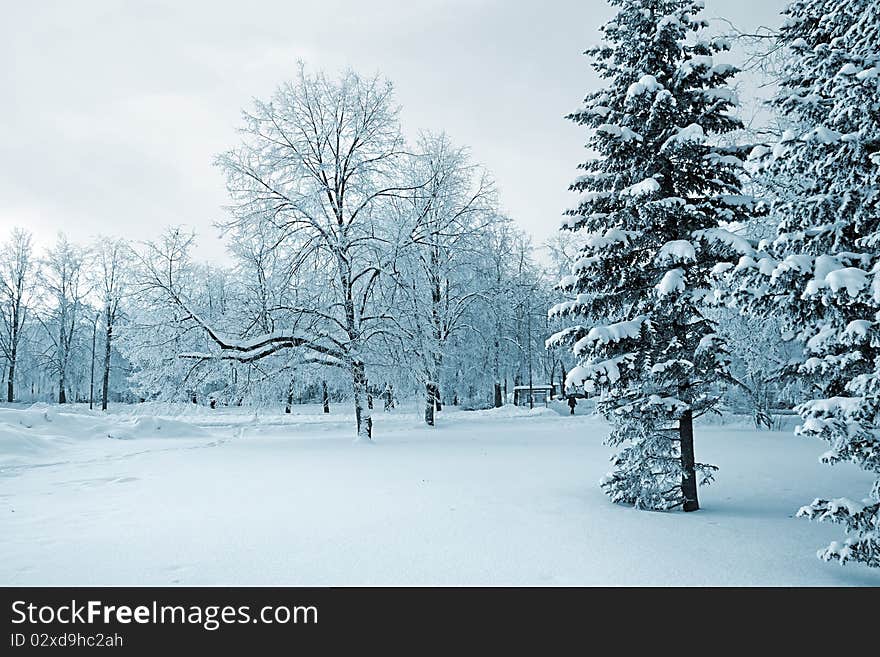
<point>572,402</point>
<point>213,403</point>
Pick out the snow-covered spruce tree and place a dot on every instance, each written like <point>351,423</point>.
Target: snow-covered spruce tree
<point>821,274</point>
<point>651,202</point>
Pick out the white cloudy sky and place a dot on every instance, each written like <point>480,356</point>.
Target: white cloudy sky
<point>111,111</point>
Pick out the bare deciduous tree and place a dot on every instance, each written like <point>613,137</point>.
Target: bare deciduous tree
<point>16,274</point>
<point>446,216</point>
<point>317,164</point>
<point>62,278</point>
<point>113,257</point>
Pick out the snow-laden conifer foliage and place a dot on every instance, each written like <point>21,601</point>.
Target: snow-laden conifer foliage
<point>651,202</point>
<point>821,274</point>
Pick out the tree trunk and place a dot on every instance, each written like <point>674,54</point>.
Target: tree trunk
<point>13,356</point>
<point>92,366</point>
<point>689,472</point>
<point>435,378</point>
<point>62,362</point>
<point>325,397</point>
<point>10,386</point>
<point>105,385</point>
<point>362,413</point>
<point>496,368</point>
<point>288,406</point>
<point>432,391</point>
<point>429,404</point>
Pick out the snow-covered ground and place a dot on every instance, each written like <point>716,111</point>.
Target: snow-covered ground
<point>185,495</point>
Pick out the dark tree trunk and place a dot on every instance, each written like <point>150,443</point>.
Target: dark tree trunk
<point>429,404</point>
<point>498,400</point>
<point>10,387</point>
<point>362,415</point>
<point>325,397</point>
<point>13,356</point>
<point>62,361</point>
<point>689,472</point>
<point>105,386</point>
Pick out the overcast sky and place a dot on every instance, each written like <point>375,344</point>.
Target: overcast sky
<point>112,111</point>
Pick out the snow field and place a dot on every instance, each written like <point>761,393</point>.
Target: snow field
<point>506,496</point>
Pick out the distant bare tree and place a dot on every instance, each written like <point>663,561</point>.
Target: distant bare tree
<point>113,260</point>
<point>16,283</point>
<point>446,218</point>
<point>63,280</point>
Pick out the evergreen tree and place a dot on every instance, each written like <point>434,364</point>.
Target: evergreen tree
<point>821,274</point>
<point>651,203</point>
